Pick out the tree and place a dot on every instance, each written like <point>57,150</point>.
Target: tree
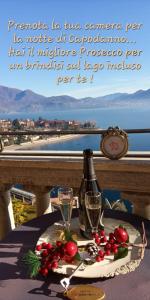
<point>16,124</point>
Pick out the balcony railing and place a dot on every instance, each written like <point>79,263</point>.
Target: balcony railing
<point>38,171</point>
<point>58,131</point>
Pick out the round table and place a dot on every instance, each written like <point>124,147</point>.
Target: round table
<point>16,284</point>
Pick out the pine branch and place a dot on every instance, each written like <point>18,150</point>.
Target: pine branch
<point>33,263</point>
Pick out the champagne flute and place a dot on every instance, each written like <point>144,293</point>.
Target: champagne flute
<point>93,204</point>
<point>65,196</point>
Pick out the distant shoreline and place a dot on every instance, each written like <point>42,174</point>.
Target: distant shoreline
<point>51,140</point>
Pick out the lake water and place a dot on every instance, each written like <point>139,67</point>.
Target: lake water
<point>124,118</point>
<point>129,118</point>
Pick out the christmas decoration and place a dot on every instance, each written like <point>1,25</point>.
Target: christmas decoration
<point>121,234</point>
<point>47,256</point>
<point>71,248</point>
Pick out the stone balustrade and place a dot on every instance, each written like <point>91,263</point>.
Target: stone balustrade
<point>130,176</point>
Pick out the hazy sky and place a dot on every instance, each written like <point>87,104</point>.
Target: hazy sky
<point>78,11</point>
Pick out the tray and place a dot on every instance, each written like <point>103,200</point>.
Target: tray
<point>106,268</point>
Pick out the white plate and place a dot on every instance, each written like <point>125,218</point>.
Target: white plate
<point>106,268</point>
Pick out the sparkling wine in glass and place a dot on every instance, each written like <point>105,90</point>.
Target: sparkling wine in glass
<point>65,196</point>
<point>93,204</point>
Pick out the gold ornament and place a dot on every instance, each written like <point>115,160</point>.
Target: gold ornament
<point>114,143</point>
<point>85,292</point>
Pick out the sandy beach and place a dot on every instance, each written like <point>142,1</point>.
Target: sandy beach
<point>50,140</point>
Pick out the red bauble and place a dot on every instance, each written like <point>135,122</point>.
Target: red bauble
<point>54,264</point>
<point>49,266</point>
<point>115,251</point>
<point>101,253</point>
<point>44,271</point>
<point>102,232</point>
<point>49,246</point>
<point>39,247</point>
<point>44,253</point>
<point>97,240</point>
<point>121,235</point>
<point>111,241</point>
<point>113,248</point>
<point>107,252</point>
<point>95,235</point>
<point>44,245</point>
<point>104,239</point>
<point>98,258</point>
<point>108,246</point>
<point>71,248</point>
<point>111,235</point>
<point>58,243</point>
<point>68,259</point>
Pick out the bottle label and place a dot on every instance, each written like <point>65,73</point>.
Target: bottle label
<point>92,179</point>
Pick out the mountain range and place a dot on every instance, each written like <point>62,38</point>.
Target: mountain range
<point>14,100</point>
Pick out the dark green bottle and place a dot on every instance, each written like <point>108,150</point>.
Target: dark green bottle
<point>89,183</point>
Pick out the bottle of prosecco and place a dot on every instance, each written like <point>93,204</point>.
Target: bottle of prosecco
<point>89,183</point>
